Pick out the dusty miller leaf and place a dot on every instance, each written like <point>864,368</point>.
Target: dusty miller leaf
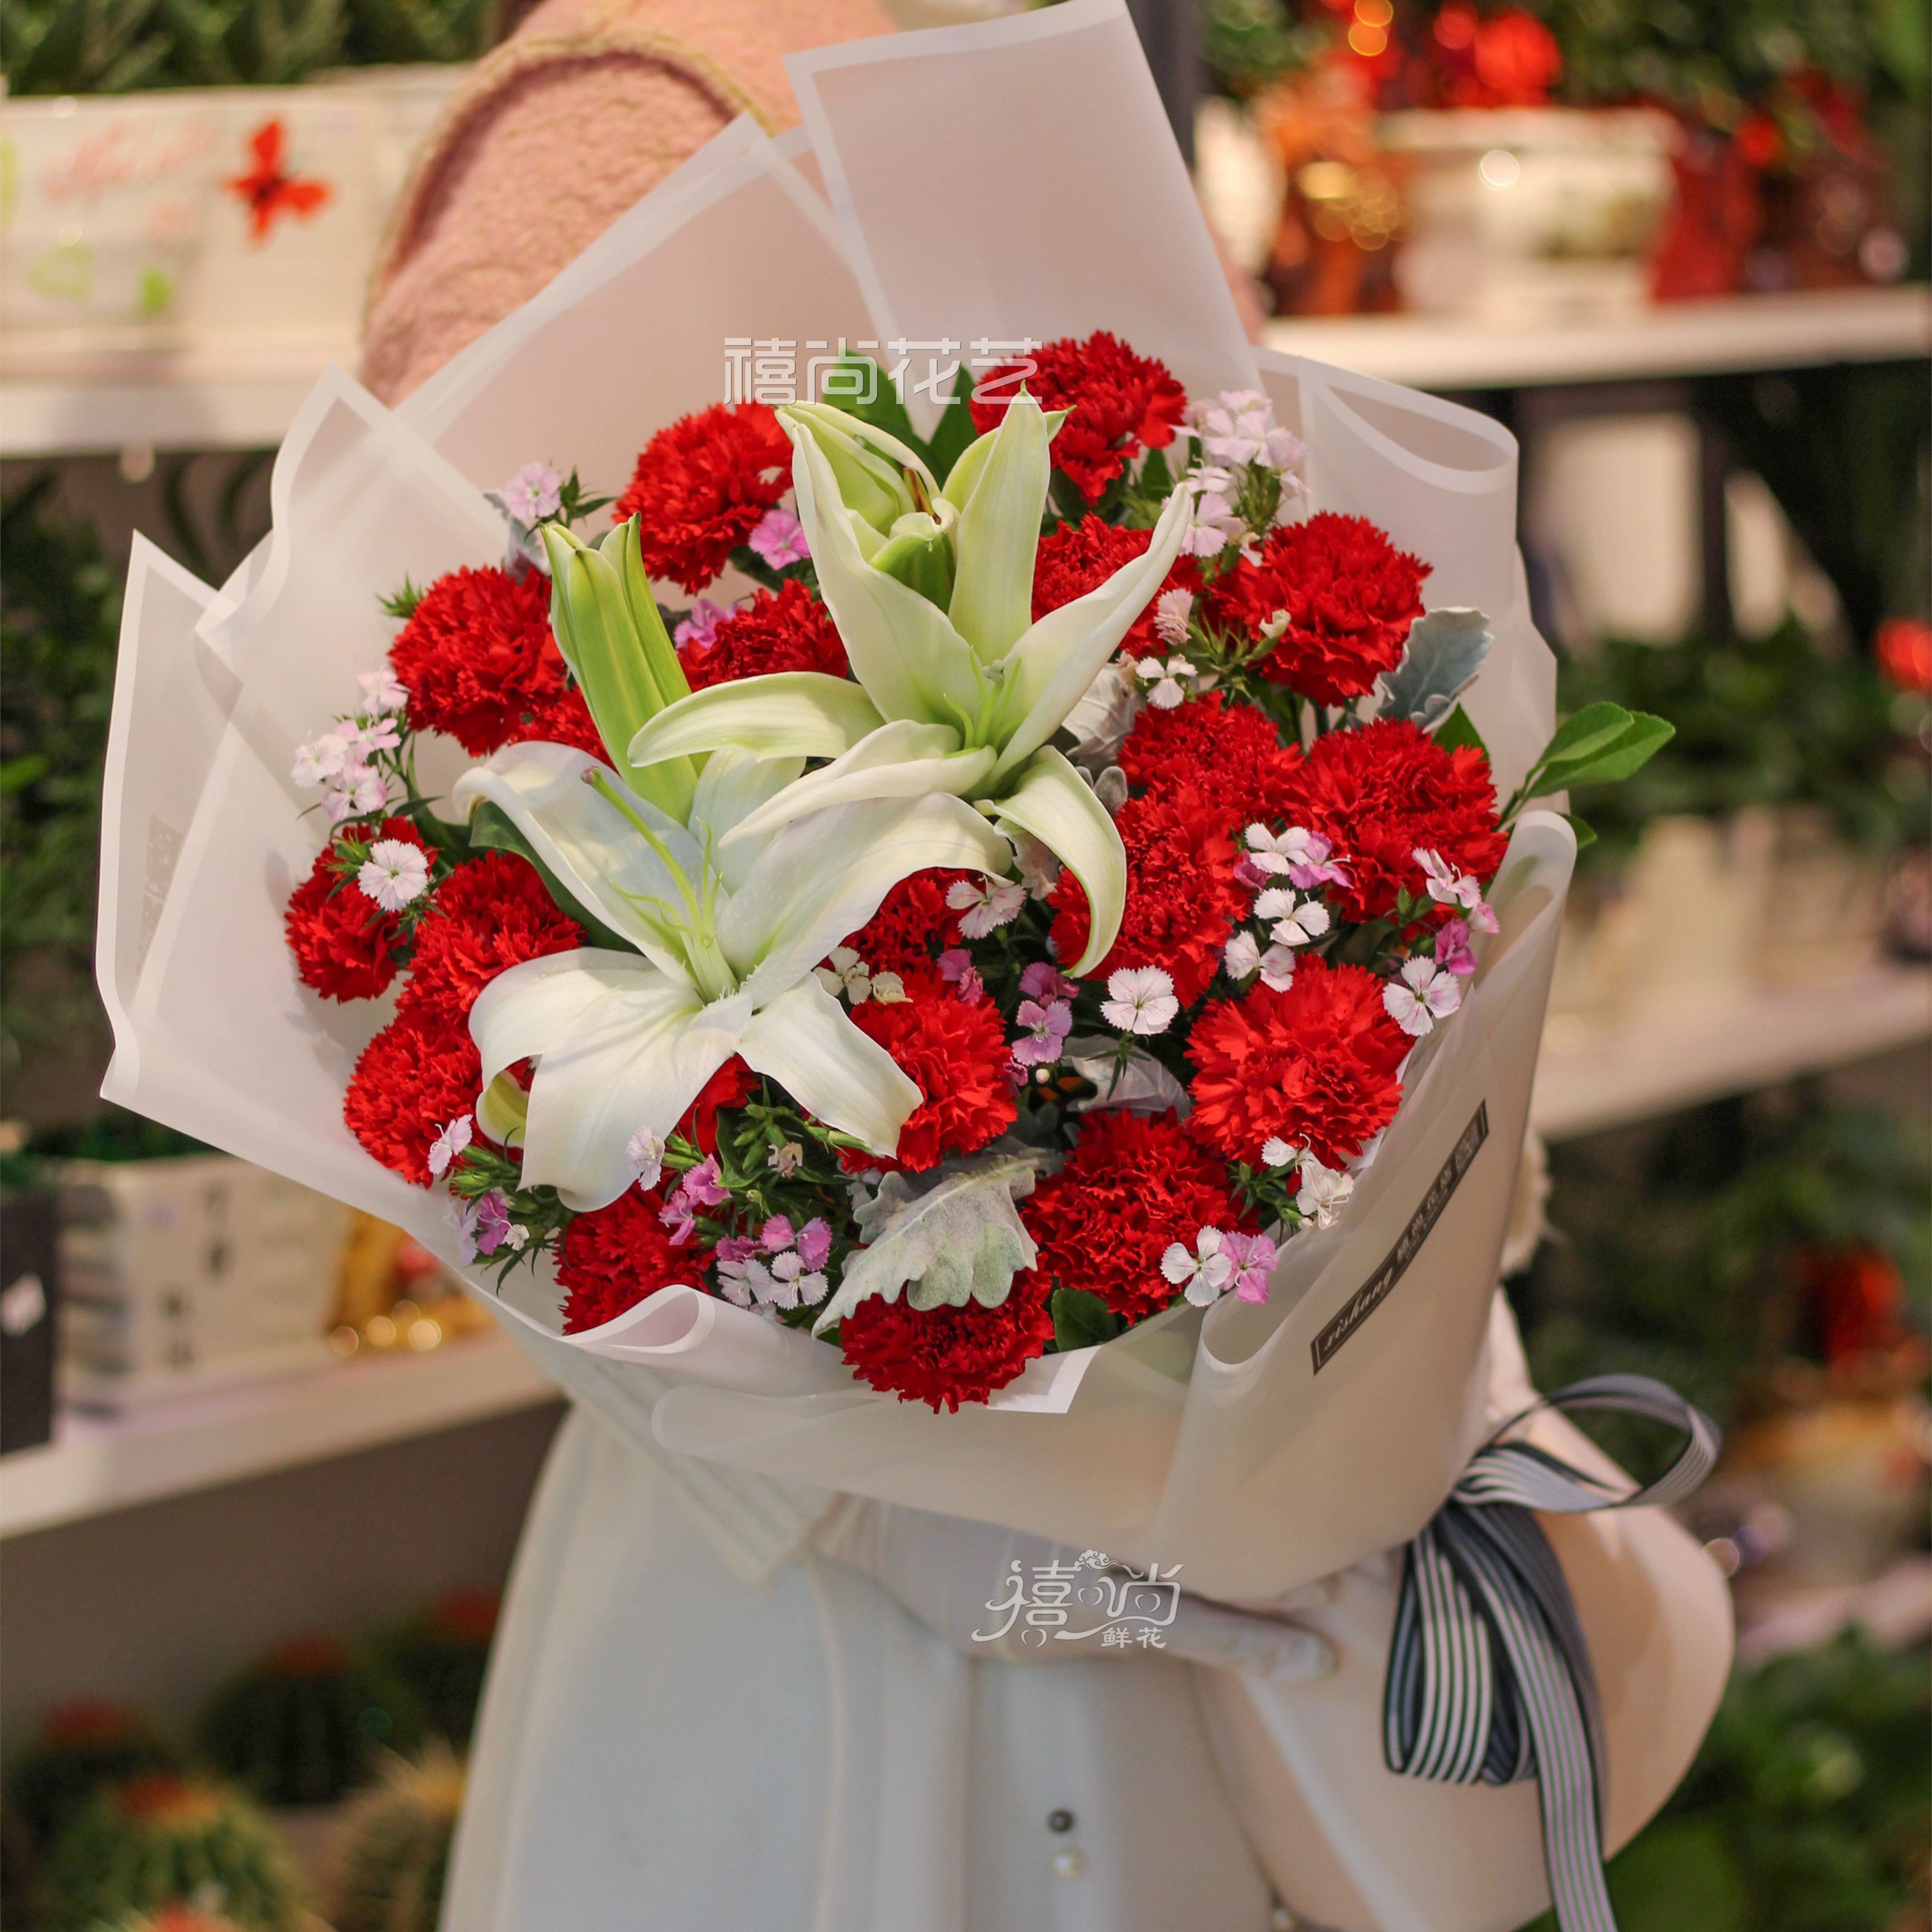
<point>1446,649</point>
<point>944,1237</point>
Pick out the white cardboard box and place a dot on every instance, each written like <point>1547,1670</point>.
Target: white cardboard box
<point>179,1272</point>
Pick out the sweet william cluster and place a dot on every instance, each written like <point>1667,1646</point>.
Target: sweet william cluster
<point>998,909</point>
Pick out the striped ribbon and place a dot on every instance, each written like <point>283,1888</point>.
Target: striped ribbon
<point>1488,1679</point>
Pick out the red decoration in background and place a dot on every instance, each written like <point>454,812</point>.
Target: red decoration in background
<point>1715,222</point>
<point>268,190</point>
<point>1857,1300</point>
<point>1904,647</point>
<point>1509,60</point>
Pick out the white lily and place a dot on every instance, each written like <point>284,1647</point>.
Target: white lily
<point>958,691</point>
<point>726,936</point>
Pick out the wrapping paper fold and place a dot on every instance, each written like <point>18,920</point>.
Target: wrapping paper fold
<point>1244,1445</point>
<point>1352,1846</point>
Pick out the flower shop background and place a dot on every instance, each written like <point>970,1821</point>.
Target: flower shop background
<point>257,1493</point>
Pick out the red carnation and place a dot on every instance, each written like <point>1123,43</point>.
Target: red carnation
<point>1130,1189</point>
<point>347,947</point>
<point>731,1086</point>
<point>1121,403</point>
<point>956,1055</point>
<point>414,1078</point>
<point>1182,899</point>
<point>1350,596</point>
<point>566,721</point>
<point>913,923</point>
<point>478,659</point>
<point>1381,793</point>
<point>612,1258</point>
<point>487,917</point>
<point>1076,558</point>
<point>1314,1066</point>
<point>702,486</point>
<point>787,629</point>
<point>1228,753</point>
<point>945,1356</point>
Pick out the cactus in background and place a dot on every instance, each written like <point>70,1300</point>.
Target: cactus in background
<point>80,1747</point>
<point>299,1727</point>
<point>156,1840</point>
<point>441,1656</point>
<point>397,1839</point>
<point>178,1919</point>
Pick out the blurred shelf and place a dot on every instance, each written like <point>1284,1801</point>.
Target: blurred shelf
<point>238,394</point>
<point>96,1464</point>
<point>1689,338</point>
<point>1593,1076</point>
<point>1894,1610</point>
<point>243,394</point>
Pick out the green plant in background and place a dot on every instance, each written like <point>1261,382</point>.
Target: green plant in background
<point>1805,1810</point>
<point>302,1726</point>
<point>1845,452</point>
<point>152,1841</point>
<point>80,1747</point>
<point>1678,1249</point>
<point>440,1657</point>
<point>114,46</point>
<point>1774,721</point>
<point>398,1838</point>
<point>60,611</point>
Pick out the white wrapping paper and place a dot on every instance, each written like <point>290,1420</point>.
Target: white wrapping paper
<point>1352,1846</point>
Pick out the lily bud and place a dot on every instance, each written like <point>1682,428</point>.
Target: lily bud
<point>606,625</point>
<point>871,484</point>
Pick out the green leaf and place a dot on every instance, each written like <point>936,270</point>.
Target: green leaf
<point>402,603</point>
<point>1081,1320</point>
<point>1593,729</point>
<point>1457,731</point>
<point>1641,739</point>
<point>492,828</point>
<point>1585,836</point>
<point>956,432</point>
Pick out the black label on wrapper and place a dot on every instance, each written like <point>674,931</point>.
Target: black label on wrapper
<point>1374,1292</point>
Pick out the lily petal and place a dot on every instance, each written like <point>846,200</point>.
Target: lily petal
<point>619,1046</point>
<point>1055,803</point>
<point>785,714</point>
<point>732,784</point>
<point>999,533</point>
<point>1049,671</point>
<point>596,856</point>
<point>900,645</point>
<point>825,876</point>
<point>900,760</point>
<point>805,1042</point>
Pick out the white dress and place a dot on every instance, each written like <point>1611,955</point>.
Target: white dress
<point>664,1748</point>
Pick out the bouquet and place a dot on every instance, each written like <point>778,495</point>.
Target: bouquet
<point>921,933</point>
<point>1005,924</point>
<point>965,926</point>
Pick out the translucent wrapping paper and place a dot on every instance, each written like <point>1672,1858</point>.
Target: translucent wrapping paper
<point>1008,181</point>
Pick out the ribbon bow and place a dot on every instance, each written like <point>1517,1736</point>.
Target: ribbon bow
<point>1490,1680</point>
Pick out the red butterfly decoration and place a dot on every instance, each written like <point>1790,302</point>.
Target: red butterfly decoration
<point>267,189</point>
